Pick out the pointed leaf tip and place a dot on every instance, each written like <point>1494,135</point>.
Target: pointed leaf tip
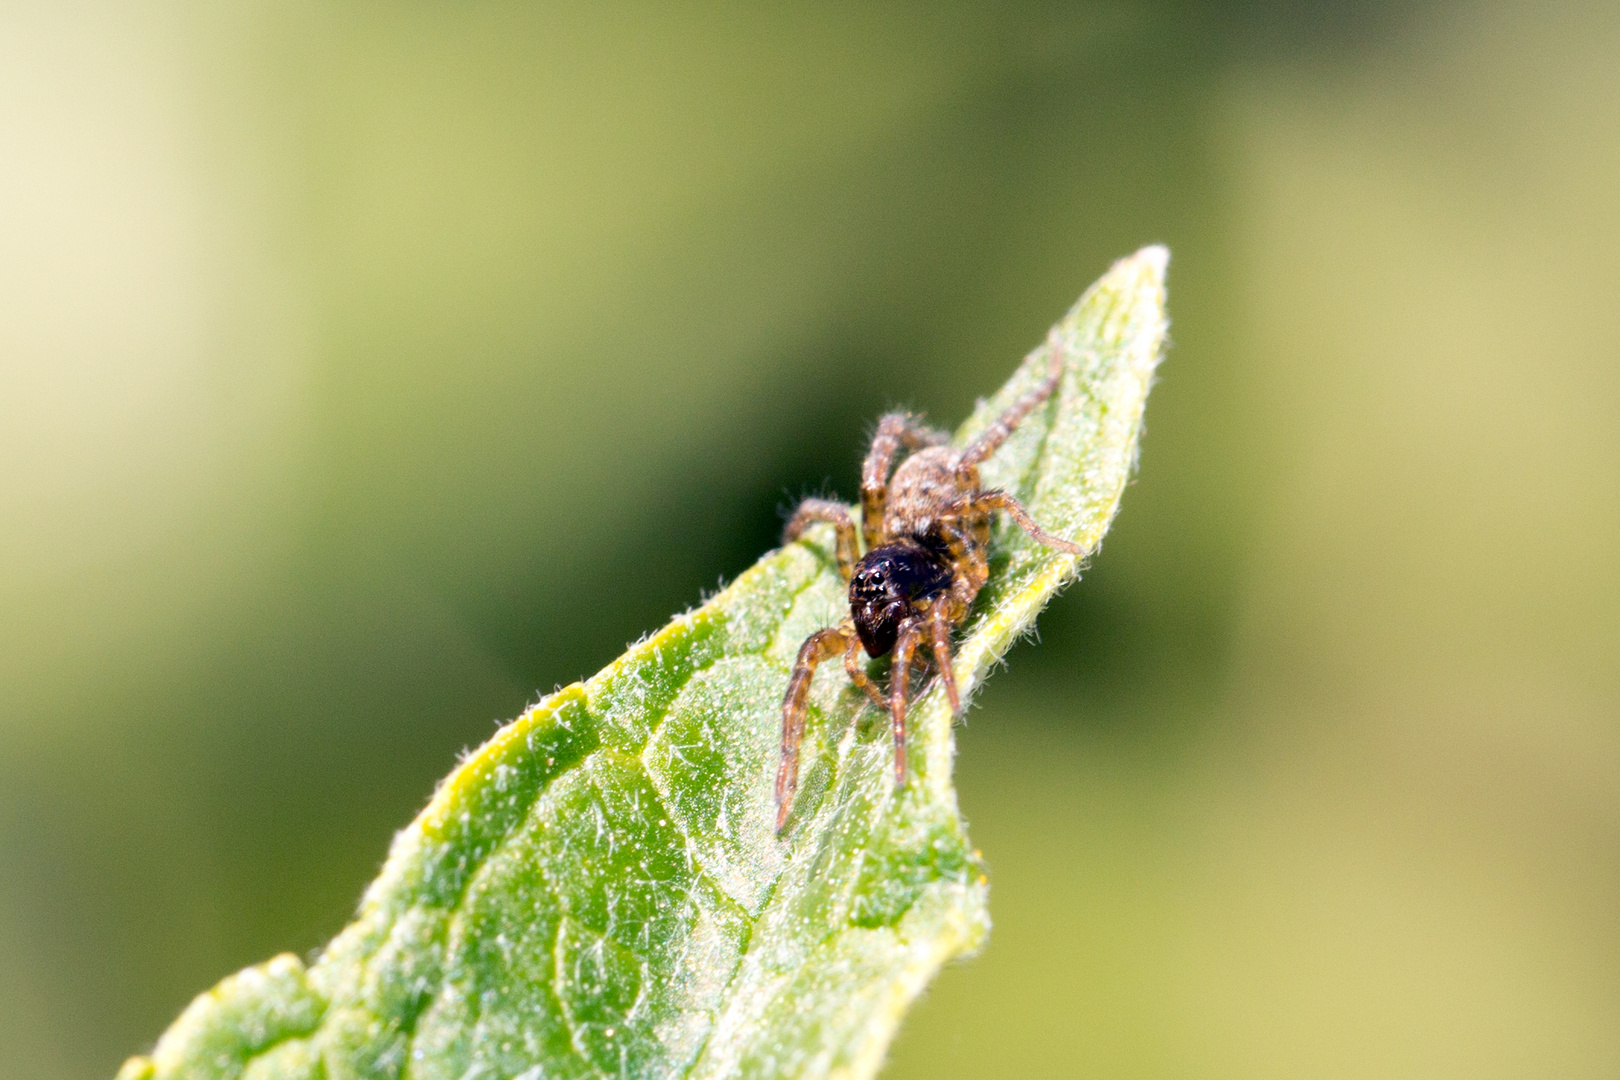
<point>600,889</point>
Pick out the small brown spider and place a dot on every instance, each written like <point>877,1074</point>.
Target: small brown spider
<point>927,534</point>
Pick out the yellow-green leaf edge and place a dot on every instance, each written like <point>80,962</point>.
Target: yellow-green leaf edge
<point>750,955</point>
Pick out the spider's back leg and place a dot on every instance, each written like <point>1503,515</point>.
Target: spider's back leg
<point>895,430</point>
<point>997,499</point>
<point>993,436</point>
<point>813,510</point>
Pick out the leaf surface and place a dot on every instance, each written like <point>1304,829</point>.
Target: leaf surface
<point>599,890</point>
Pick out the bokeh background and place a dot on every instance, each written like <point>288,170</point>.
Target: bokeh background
<point>367,369</point>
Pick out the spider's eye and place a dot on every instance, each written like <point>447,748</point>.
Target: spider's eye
<point>885,584</point>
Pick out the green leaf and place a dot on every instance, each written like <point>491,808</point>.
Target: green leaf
<point>599,890</point>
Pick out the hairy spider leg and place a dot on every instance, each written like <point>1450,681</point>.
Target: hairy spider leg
<point>857,673</point>
<point>966,538</point>
<point>939,627</point>
<point>816,648</point>
<point>814,510</point>
<point>996,499</point>
<point>900,689</point>
<point>993,436</point>
<point>895,430</point>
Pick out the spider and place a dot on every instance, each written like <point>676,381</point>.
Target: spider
<point>926,532</point>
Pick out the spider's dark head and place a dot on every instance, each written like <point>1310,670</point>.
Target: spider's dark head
<point>886,584</point>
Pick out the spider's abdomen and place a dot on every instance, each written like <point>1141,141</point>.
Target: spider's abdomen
<point>887,582</point>
<point>923,488</point>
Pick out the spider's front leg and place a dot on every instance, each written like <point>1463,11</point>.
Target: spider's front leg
<point>856,670</point>
<point>911,632</point>
<point>819,646</point>
<point>934,627</point>
<point>939,629</point>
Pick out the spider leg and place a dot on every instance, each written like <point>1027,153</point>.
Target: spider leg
<point>816,648</point>
<point>813,510</point>
<point>900,690</point>
<point>997,499</point>
<point>993,436</point>
<point>895,430</point>
<point>972,568</point>
<point>939,628</point>
<point>858,675</point>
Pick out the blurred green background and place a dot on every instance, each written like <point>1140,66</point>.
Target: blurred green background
<point>368,369</point>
